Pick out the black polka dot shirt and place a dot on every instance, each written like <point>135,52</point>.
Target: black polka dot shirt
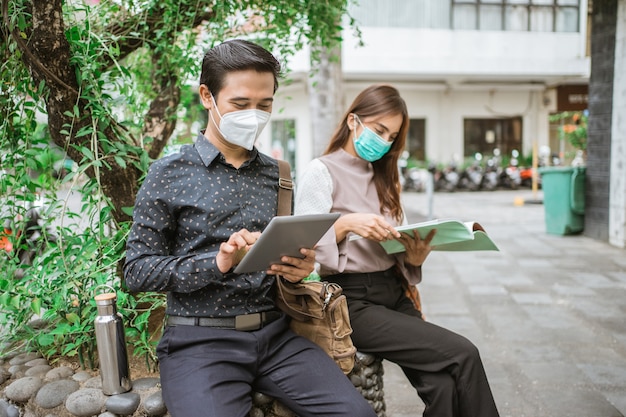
<point>189,203</point>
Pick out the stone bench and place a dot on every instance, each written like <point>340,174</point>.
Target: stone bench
<point>367,377</point>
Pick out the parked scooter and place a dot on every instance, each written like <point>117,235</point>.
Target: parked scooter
<point>526,176</point>
<point>446,179</point>
<point>491,174</point>
<point>415,179</point>
<point>472,177</point>
<point>510,176</point>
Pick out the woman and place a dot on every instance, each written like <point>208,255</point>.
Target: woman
<point>358,177</point>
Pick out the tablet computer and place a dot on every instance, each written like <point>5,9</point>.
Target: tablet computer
<point>285,236</point>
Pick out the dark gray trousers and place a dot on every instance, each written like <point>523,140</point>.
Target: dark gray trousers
<point>444,367</point>
<point>209,372</point>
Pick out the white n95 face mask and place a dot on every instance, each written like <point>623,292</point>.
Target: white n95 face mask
<point>242,127</point>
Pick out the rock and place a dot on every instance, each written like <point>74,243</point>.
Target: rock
<point>154,405</point>
<point>36,362</point>
<point>18,371</point>
<point>38,324</point>
<point>81,376</point>
<point>281,411</point>
<point>39,370</point>
<point>22,358</point>
<point>365,358</point>
<point>85,402</point>
<point>143,384</point>
<point>8,410</point>
<point>54,393</point>
<point>261,399</point>
<point>123,404</point>
<point>256,412</point>
<point>93,382</point>
<point>23,389</point>
<point>356,380</point>
<point>61,372</point>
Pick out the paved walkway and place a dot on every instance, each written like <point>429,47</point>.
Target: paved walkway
<point>547,312</point>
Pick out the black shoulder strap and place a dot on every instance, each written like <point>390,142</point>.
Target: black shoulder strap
<point>285,188</point>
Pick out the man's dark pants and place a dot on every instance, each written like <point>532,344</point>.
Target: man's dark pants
<point>211,372</point>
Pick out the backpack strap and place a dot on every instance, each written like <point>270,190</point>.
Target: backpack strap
<point>285,188</point>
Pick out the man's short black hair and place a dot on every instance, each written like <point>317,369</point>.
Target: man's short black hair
<point>236,55</point>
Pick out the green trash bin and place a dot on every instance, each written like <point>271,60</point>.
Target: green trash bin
<point>563,199</point>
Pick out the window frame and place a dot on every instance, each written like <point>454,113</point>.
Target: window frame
<point>530,5</point>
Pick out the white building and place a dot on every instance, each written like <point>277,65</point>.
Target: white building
<point>476,74</point>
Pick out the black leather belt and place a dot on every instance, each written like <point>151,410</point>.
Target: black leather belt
<point>244,322</point>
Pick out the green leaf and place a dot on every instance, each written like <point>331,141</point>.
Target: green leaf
<point>4,299</point>
<point>62,328</point>
<point>87,152</point>
<point>72,318</point>
<point>85,131</point>
<point>45,339</point>
<point>16,301</point>
<point>35,305</point>
<point>120,161</point>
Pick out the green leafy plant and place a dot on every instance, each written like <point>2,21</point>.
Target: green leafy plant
<point>104,88</point>
<point>573,128</point>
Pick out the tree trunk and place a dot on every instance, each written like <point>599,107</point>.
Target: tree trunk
<point>325,97</point>
<point>47,55</point>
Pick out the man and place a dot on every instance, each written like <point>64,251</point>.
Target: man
<point>194,215</point>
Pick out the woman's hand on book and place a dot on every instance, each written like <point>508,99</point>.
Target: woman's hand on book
<point>368,225</point>
<point>417,249</point>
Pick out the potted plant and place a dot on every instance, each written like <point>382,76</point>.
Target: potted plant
<point>573,130</point>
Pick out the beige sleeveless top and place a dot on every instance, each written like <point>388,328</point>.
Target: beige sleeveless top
<point>340,182</point>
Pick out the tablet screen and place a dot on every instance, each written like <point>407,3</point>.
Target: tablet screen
<point>285,236</point>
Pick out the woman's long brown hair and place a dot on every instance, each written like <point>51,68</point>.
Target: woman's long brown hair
<point>378,100</point>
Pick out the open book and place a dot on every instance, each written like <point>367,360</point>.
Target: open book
<point>451,235</point>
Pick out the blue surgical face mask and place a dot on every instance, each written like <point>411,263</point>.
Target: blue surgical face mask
<point>369,145</point>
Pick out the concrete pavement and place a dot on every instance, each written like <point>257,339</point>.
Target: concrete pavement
<point>547,312</point>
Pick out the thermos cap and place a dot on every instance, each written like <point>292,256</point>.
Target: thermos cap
<point>105,299</point>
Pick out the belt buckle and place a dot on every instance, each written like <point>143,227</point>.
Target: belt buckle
<point>248,322</point>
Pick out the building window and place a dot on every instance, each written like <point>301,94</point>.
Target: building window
<point>485,135</point>
<point>510,15</point>
<point>416,140</point>
<point>284,142</point>
<point>432,14</point>
<point>516,15</point>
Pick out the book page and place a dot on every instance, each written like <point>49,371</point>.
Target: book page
<point>448,231</point>
<point>481,241</point>
<point>451,235</point>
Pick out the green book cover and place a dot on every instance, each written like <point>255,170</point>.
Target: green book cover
<point>451,235</point>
